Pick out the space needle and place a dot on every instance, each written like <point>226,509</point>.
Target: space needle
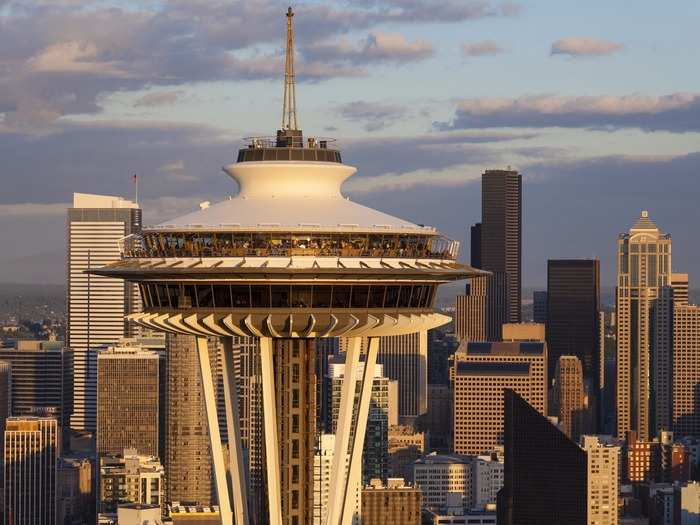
<point>287,260</point>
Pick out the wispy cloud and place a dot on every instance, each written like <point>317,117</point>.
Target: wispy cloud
<point>679,112</point>
<point>584,47</point>
<point>157,98</point>
<point>482,48</point>
<point>374,115</point>
<point>376,47</point>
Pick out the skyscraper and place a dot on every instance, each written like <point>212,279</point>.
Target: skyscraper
<point>128,401</point>
<point>405,359</point>
<point>568,396</point>
<point>686,371</point>
<point>187,460</point>
<point>573,323</point>
<point>643,269</point>
<point>501,234</point>
<point>96,305</point>
<point>482,372</point>
<point>31,455</point>
<point>534,492</point>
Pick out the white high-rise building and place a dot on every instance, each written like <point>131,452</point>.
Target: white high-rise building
<point>322,481</point>
<point>96,305</point>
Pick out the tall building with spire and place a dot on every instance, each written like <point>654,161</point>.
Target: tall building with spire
<point>643,269</point>
<point>96,305</point>
<point>288,260</point>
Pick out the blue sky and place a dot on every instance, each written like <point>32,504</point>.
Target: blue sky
<point>597,103</point>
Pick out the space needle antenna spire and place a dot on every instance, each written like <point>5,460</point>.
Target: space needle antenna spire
<point>289,108</point>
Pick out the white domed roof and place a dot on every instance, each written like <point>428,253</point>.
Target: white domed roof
<point>291,195</point>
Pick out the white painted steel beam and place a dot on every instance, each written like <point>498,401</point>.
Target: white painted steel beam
<point>239,489</point>
<point>355,467</point>
<point>339,474</point>
<point>272,451</point>
<point>217,453</point>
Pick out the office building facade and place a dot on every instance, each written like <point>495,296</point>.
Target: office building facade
<point>569,397</point>
<point>128,399</point>
<point>482,371</point>
<point>96,305</point>
<point>603,463</point>
<point>405,359</point>
<point>392,504</point>
<point>187,455</point>
<point>440,475</point>
<point>31,454</point>
<point>39,370</point>
<point>573,324</point>
<point>643,269</point>
<point>686,371</point>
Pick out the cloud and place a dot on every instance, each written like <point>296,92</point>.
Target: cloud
<point>47,72</point>
<point>376,47</point>
<point>157,98</point>
<point>482,48</point>
<point>584,47</point>
<point>374,115</point>
<point>176,170</point>
<point>677,112</point>
<point>32,209</point>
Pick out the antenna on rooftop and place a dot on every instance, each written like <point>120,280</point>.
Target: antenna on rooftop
<point>289,109</point>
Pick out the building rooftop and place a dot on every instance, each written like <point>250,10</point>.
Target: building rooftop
<point>89,200</point>
<point>445,459</point>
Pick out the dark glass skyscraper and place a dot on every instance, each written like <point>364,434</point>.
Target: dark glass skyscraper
<point>573,323</point>
<point>501,233</point>
<point>545,473</point>
<point>475,245</point>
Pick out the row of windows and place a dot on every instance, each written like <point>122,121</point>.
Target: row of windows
<point>303,154</point>
<point>280,244</point>
<point>185,296</point>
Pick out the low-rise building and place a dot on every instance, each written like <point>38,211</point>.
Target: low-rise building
<point>405,447</point>
<point>395,503</point>
<point>438,475</point>
<point>200,515</point>
<point>130,478</point>
<point>488,479</point>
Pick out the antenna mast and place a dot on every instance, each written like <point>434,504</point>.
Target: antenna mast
<point>289,110</point>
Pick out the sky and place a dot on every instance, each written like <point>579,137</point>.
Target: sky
<point>597,103</point>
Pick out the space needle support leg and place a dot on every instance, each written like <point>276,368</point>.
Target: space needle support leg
<point>339,473</point>
<point>355,468</point>
<point>217,453</point>
<point>233,428</point>
<point>272,451</point>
